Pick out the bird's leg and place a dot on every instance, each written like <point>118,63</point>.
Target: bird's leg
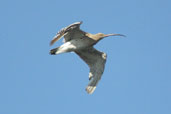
<point>66,47</point>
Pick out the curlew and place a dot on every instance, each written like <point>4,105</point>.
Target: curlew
<point>80,42</point>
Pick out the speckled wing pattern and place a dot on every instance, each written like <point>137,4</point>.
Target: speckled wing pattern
<point>96,61</point>
<point>65,30</point>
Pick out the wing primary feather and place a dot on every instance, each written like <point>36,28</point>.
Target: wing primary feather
<point>63,31</point>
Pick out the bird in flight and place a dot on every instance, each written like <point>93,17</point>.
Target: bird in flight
<point>80,42</point>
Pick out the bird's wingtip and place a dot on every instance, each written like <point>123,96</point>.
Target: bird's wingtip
<point>79,22</point>
<point>90,89</point>
<point>52,42</point>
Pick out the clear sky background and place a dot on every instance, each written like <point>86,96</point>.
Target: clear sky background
<point>137,77</point>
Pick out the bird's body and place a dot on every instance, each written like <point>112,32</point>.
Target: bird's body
<point>82,44</point>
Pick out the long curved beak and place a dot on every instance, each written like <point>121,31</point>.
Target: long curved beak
<point>114,35</point>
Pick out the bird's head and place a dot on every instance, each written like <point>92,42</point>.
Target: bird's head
<point>100,35</point>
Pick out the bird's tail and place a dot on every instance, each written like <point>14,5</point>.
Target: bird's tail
<point>92,85</point>
<point>53,51</point>
<point>66,47</point>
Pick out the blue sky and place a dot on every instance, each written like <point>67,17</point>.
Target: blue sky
<point>137,77</point>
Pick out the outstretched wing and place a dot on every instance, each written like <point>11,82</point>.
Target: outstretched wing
<point>96,61</point>
<point>66,30</point>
